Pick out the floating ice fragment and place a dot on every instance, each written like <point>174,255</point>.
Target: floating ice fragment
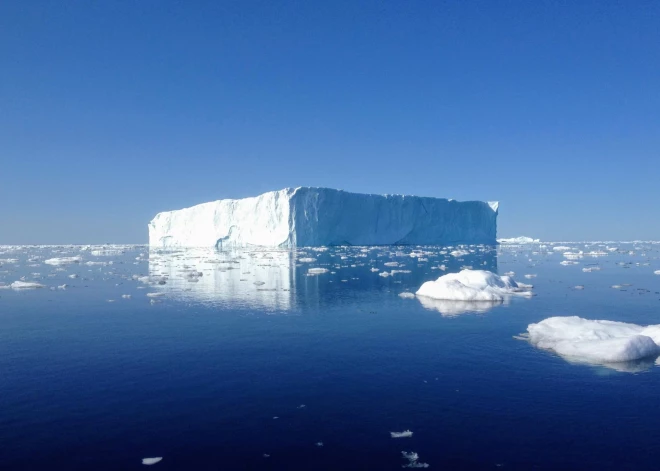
<point>317,271</point>
<point>155,295</point>
<point>319,444</point>
<point>473,285</point>
<point>26,285</point>
<point>63,260</point>
<point>404,434</point>
<point>657,272</point>
<point>595,341</point>
<point>150,461</point>
<point>406,295</point>
<point>413,462</point>
<point>590,269</point>
<point>126,296</point>
<point>307,260</point>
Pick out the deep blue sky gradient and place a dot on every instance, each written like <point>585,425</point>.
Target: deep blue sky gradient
<point>113,111</point>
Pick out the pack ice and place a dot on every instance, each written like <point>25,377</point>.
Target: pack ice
<point>322,216</point>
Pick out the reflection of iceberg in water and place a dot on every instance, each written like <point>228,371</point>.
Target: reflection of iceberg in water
<point>240,279</point>
<point>456,308</point>
<point>282,280</point>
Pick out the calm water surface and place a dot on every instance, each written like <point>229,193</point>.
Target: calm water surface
<point>243,361</point>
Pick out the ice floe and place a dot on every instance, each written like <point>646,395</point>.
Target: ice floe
<point>63,260</point>
<point>25,285</point>
<point>595,341</point>
<point>473,285</point>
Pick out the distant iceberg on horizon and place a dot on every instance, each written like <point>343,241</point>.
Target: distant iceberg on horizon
<point>312,217</point>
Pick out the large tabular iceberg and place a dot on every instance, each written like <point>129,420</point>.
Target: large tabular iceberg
<point>321,216</point>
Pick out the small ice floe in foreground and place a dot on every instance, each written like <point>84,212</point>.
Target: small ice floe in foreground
<point>598,342</point>
<point>578,287</point>
<point>26,285</point>
<point>155,295</point>
<point>407,295</point>
<point>657,272</point>
<point>126,296</point>
<point>317,271</point>
<point>590,269</point>
<point>404,434</point>
<point>413,460</point>
<point>150,461</point>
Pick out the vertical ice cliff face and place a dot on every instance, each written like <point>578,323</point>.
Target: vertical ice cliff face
<point>332,217</point>
<point>322,216</point>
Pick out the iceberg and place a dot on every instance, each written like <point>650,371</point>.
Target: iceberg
<point>315,217</point>
<point>595,341</point>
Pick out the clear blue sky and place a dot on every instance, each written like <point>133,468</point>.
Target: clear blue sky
<point>113,111</point>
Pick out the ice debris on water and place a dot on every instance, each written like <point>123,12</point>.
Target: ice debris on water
<point>407,295</point>
<point>404,434</point>
<point>413,460</point>
<point>150,461</point>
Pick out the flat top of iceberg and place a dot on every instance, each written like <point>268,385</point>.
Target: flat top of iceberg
<point>494,205</point>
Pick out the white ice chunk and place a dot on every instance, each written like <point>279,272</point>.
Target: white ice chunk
<point>63,260</point>
<point>595,341</point>
<point>472,285</point>
<point>404,434</point>
<point>150,461</point>
<point>518,241</point>
<point>26,285</point>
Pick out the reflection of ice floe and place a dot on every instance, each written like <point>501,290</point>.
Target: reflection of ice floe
<point>253,279</point>
<point>616,345</point>
<point>455,308</point>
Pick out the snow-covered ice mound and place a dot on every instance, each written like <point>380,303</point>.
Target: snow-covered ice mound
<point>595,341</point>
<point>473,285</point>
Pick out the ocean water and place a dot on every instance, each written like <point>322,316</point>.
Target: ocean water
<point>245,360</point>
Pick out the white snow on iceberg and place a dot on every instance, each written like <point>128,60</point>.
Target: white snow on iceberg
<point>323,217</point>
<point>595,341</point>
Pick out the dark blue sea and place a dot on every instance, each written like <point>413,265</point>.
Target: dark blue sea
<point>244,360</point>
